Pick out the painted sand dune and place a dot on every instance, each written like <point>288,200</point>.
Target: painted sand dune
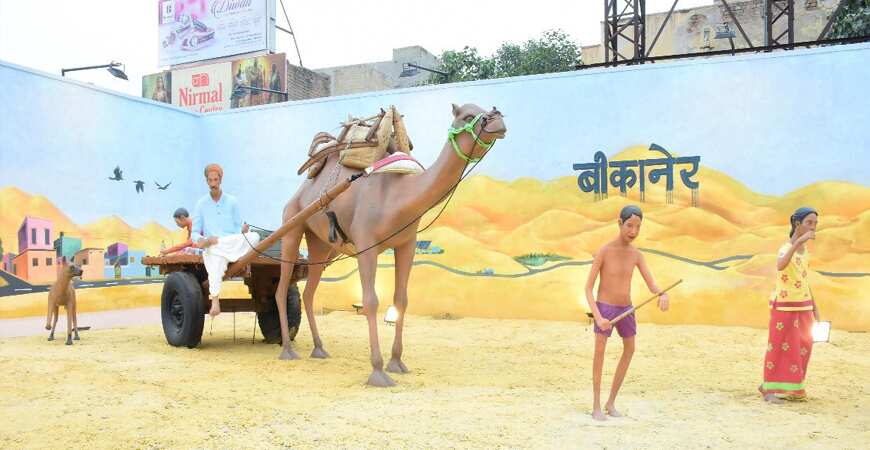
<point>724,248</point>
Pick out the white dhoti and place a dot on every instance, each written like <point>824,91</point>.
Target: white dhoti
<point>228,249</point>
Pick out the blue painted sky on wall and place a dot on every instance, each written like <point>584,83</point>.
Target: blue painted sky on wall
<point>776,122</point>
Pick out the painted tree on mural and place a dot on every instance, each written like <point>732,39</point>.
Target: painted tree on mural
<point>853,21</point>
<point>554,51</point>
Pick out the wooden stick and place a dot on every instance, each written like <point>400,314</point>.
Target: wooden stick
<point>295,221</point>
<point>634,308</point>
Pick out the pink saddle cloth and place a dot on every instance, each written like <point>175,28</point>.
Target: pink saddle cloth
<point>396,163</point>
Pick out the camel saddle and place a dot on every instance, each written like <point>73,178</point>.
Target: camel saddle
<point>360,143</point>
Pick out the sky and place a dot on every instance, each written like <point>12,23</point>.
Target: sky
<point>49,35</point>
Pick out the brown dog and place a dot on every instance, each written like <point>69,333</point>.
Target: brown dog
<point>63,293</point>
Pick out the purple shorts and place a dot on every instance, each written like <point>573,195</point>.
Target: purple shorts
<point>626,327</point>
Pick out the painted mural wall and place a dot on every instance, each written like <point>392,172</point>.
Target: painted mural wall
<point>725,149</point>
<point>87,169</point>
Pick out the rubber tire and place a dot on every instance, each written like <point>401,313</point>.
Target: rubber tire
<point>182,310</point>
<point>270,324</point>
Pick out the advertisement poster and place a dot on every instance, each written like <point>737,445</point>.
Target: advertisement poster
<point>203,89</point>
<point>196,30</point>
<point>157,87</point>
<point>262,72</point>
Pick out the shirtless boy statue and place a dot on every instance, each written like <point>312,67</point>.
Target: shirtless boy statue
<point>615,263</point>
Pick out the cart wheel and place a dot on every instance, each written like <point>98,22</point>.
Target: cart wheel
<point>182,310</point>
<point>270,325</point>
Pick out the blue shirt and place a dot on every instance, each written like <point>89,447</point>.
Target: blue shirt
<point>216,218</point>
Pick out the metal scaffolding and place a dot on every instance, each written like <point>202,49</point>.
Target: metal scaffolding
<point>630,18</point>
<point>778,22</point>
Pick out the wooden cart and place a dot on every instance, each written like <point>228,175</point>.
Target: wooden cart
<point>185,301</point>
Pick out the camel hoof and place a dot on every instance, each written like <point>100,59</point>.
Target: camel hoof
<point>76,338</point>
<point>319,353</point>
<point>380,379</point>
<point>397,366</point>
<point>69,340</point>
<point>287,355</point>
<point>51,338</point>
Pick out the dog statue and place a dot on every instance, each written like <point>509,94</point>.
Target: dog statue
<point>63,293</point>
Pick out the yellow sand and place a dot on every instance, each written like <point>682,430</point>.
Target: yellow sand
<point>476,383</point>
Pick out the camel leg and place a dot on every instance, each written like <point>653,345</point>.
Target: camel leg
<point>368,266</point>
<point>289,252</point>
<point>75,316</point>
<point>48,313</point>
<point>318,251</point>
<point>54,313</point>
<point>68,323</point>
<point>404,260</point>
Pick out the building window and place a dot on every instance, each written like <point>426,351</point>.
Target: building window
<point>15,269</point>
<point>47,261</point>
<point>85,262</point>
<point>47,242</point>
<point>33,236</point>
<point>35,262</point>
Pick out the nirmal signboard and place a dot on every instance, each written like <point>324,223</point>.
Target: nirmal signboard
<point>203,89</point>
<point>196,30</point>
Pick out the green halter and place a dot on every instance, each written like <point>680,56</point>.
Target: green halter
<point>469,127</point>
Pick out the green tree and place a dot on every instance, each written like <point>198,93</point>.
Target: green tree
<point>853,20</point>
<point>554,51</point>
<point>464,65</point>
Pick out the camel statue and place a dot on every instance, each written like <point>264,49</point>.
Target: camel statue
<point>371,213</point>
<point>62,293</point>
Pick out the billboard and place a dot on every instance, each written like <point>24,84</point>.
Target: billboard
<point>157,87</point>
<point>203,89</point>
<point>196,30</point>
<point>264,72</point>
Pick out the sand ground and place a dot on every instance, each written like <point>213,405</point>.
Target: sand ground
<point>475,383</point>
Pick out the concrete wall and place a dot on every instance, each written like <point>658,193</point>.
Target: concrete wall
<point>382,75</point>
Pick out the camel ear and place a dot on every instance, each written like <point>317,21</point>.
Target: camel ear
<point>455,109</point>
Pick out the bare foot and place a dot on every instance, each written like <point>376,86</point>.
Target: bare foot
<point>598,415</point>
<point>773,399</point>
<point>770,398</point>
<point>319,353</point>
<point>611,411</point>
<point>288,354</point>
<point>380,379</point>
<point>397,366</point>
<point>215,307</point>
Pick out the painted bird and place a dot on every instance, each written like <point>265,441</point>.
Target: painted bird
<point>118,176</point>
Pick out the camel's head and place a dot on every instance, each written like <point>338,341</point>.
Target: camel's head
<point>484,126</point>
